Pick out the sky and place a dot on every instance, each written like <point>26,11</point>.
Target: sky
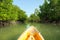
<point>28,6</point>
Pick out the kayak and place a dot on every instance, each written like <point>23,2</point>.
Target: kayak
<point>31,34</point>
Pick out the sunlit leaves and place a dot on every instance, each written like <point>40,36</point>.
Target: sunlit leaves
<point>10,12</point>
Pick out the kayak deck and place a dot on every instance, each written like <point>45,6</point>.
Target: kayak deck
<point>31,34</point>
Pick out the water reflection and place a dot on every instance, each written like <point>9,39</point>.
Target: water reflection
<point>28,25</point>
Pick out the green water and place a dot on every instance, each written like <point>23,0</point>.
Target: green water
<point>48,31</point>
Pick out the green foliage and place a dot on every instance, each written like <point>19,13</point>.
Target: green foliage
<point>50,11</point>
<point>10,12</point>
<point>22,16</point>
<point>34,18</point>
<point>4,9</point>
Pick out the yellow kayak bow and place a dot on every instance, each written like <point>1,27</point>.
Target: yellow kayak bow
<point>31,34</point>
